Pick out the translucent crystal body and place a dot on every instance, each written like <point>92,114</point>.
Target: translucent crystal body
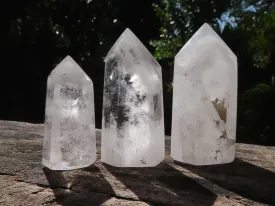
<point>132,122</point>
<point>69,141</point>
<point>204,101</point>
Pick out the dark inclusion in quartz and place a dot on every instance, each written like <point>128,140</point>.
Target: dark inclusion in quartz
<point>132,121</point>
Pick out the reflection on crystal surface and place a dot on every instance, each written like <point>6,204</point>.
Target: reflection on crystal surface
<point>204,101</point>
<point>69,141</point>
<point>132,122</point>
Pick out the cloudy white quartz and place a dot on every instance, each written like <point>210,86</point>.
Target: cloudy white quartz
<point>204,101</point>
<point>132,122</point>
<point>69,141</point>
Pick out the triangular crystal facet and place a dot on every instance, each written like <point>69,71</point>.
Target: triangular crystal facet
<point>69,140</point>
<point>132,122</point>
<point>204,101</point>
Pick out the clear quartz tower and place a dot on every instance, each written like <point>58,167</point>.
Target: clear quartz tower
<point>69,140</point>
<point>132,122</point>
<point>204,101</point>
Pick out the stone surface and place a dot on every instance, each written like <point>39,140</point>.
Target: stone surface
<point>249,180</point>
<point>204,101</point>
<point>69,139</point>
<point>132,122</point>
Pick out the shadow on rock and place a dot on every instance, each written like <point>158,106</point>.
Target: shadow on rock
<point>79,187</point>
<point>240,177</point>
<point>162,185</point>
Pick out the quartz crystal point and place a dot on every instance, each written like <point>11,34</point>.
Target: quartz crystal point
<point>132,122</point>
<point>69,141</point>
<point>204,101</point>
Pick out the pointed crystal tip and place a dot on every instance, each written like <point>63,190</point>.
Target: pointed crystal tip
<point>129,34</point>
<point>68,58</point>
<point>68,68</point>
<point>206,26</point>
<point>202,35</point>
<point>128,31</point>
<point>207,29</point>
<point>126,39</point>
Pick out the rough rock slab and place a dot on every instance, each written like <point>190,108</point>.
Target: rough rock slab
<point>249,180</point>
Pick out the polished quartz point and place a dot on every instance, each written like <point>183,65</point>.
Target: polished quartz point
<point>132,122</point>
<point>69,141</point>
<point>204,101</point>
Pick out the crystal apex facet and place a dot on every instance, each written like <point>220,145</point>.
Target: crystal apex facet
<point>204,30</point>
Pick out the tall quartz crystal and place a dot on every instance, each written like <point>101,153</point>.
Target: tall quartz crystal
<point>69,141</point>
<point>204,101</point>
<point>132,122</point>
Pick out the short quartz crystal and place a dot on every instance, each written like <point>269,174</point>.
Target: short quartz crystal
<point>69,140</point>
<point>132,122</point>
<point>204,101</point>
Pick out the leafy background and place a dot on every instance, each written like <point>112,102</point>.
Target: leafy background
<point>37,35</point>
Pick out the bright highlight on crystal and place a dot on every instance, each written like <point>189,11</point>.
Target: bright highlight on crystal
<point>132,122</point>
<point>69,141</point>
<point>204,101</point>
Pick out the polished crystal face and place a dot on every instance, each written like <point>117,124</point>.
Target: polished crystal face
<point>204,101</point>
<point>69,141</point>
<point>132,122</point>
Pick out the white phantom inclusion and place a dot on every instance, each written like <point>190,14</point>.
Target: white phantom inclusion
<point>132,121</point>
<point>69,141</point>
<point>204,101</point>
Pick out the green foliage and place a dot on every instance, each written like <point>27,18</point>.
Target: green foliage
<point>74,27</point>
<point>257,115</point>
<point>263,37</point>
<point>40,33</point>
<point>166,48</point>
<point>248,27</point>
<point>255,97</point>
<point>180,19</point>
